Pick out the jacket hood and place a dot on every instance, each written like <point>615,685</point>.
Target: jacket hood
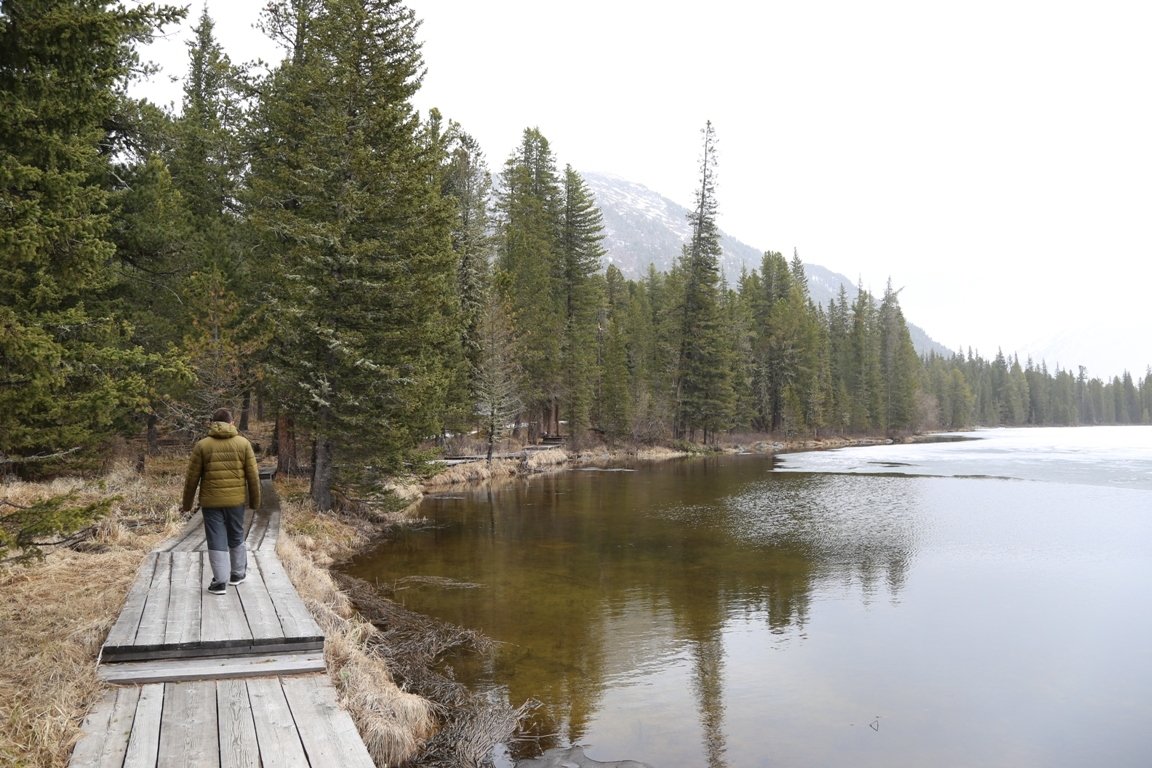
<point>222,430</point>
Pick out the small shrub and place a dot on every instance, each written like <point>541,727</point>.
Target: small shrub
<point>27,529</point>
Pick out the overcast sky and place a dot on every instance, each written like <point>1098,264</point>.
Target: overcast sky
<point>994,159</point>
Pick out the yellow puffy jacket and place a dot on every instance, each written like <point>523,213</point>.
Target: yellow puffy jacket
<point>224,466</point>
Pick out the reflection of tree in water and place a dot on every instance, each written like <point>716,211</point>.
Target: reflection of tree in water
<point>700,619</point>
<point>586,574</point>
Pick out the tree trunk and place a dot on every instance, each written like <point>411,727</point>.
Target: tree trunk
<point>322,473</point>
<point>286,461</point>
<point>153,434</point>
<point>244,407</point>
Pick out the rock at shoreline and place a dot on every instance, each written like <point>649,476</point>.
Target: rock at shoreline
<point>574,757</point>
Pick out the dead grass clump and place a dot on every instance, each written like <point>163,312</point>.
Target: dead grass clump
<point>553,457</point>
<point>476,471</point>
<point>658,453</point>
<point>54,616</point>
<point>55,612</point>
<point>393,723</point>
<point>414,645</point>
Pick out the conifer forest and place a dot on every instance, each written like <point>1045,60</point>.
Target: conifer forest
<point>299,243</point>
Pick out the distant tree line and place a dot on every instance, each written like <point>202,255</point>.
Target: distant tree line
<point>302,244</point>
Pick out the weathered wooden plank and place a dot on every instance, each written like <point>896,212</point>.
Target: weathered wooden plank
<point>106,730</point>
<point>212,668</point>
<point>184,602</point>
<point>249,517</point>
<point>279,740</point>
<point>270,504</point>
<point>294,616</point>
<point>238,745</point>
<point>144,744</point>
<point>192,537</point>
<point>221,616</point>
<point>188,735</point>
<point>327,731</point>
<point>257,528</point>
<point>214,650</point>
<point>197,542</point>
<point>273,533</point>
<point>94,732</point>
<point>123,632</point>
<point>263,620</point>
<point>154,618</point>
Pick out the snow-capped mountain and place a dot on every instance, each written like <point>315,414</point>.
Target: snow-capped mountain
<point>644,228</point>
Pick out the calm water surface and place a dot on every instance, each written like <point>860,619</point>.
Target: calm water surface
<point>975,603</point>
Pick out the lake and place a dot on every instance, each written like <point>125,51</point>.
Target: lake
<point>978,602</point>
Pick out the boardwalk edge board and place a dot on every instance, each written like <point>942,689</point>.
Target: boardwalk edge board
<point>224,667</point>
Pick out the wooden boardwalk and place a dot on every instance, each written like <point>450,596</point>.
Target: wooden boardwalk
<point>212,681</point>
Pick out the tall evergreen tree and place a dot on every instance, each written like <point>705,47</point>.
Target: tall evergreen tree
<point>225,333</point>
<point>839,411</point>
<point>704,391</point>
<point>613,401</point>
<point>345,193</point>
<point>865,387</point>
<point>496,377</point>
<point>900,367</point>
<point>208,158</point>
<point>580,251</point>
<point>530,272</point>
<point>468,184</point>
<point>69,373</point>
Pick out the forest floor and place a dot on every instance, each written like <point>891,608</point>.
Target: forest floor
<point>55,611</point>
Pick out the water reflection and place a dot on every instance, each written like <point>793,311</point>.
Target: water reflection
<point>597,581</point>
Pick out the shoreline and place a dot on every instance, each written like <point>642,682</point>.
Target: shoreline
<point>526,462</point>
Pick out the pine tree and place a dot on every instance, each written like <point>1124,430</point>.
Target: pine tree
<point>530,273</point>
<point>208,159</point>
<point>580,251</point>
<point>614,392</point>
<point>899,365</point>
<point>649,414</point>
<point>704,392</point>
<point>665,294</point>
<point>865,388</point>
<point>468,183</point>
<point>743,327</point>
<point>496,377</point>
<point>838,409</point>
<point>69,373</point>
<point>345,194</point>
<point>225,332</point>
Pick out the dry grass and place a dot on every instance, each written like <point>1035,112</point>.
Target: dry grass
<point>475,472</point>
<point>375,643</point>
<point>55,613</point>
<point>414,646</point>
<point>538,461</point>
<point>545,461</point>
<point>500,469</point>
<point>394,724</point>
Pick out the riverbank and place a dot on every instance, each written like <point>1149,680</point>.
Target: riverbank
<point>533,461</point>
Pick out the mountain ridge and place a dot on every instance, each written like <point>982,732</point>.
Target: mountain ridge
<point>642,228</point>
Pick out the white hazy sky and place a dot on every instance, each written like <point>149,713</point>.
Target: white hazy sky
<point>993,158</point>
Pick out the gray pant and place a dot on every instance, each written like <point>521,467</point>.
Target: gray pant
<point>224,530</point>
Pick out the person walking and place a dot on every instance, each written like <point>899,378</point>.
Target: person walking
<point>223,466</point>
